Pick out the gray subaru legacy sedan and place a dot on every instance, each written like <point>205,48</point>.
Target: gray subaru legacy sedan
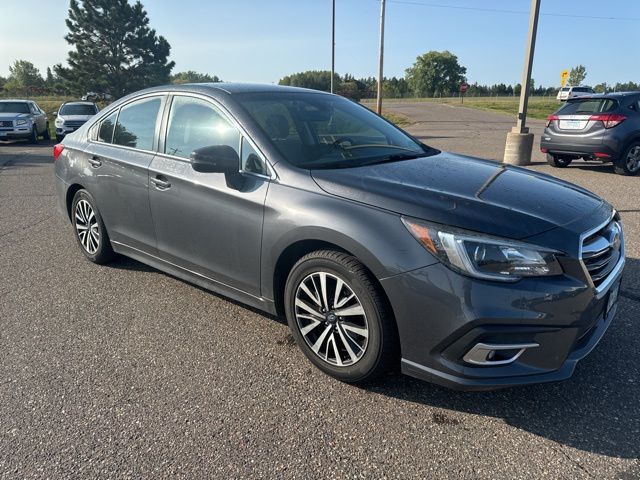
<point>380,251</point>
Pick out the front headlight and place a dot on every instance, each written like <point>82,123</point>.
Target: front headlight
<point>483,256</point>
<point>23,122</point>
<point>59,122</point>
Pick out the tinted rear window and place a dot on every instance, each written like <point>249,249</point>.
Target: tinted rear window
<point>588,106</point>
<point>582,89</point>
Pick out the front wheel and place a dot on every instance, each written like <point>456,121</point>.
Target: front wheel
<point>89,228</point>
<point>46,135</point>
<point>629,162</point>
<point>558,161</point>
<point>34,134</point>
<point>339,318</point>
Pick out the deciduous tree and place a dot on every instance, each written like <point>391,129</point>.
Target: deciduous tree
<point>435,73</point>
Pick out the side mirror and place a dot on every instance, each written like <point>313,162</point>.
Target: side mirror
<point>215,159</point>
<point>55,114</point>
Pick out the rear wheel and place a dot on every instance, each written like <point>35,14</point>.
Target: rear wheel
<point>89,228</point>
<point>629,162</point>
<point>558,161</point>
<point>339,318</point>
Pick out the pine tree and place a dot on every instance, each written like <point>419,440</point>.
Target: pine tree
<point>114,49</point>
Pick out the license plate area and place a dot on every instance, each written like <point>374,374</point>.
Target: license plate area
<point>572,124</point>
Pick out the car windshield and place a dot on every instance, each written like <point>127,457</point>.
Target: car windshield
<point>318,131</point>
<point>78,109</point>
<point>14,107</point>
<point>588,106</point>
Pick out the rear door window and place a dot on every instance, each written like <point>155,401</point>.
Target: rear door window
<point>588,106</point>
<point>136,124</point>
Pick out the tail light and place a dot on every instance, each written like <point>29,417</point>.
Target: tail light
<point>609,120</point>
<point>57,150</point>
<point>551,118</point>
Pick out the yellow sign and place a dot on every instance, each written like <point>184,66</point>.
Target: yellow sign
<point>563,77</point>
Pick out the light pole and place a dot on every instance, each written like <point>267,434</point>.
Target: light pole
<point>519,141</point>
<point>380,60</point>
<point>333,42</point>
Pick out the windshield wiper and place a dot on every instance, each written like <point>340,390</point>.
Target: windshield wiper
<point>395,157</point>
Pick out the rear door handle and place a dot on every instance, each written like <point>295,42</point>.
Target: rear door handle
<point>95,161</point>
<point>161,182</point>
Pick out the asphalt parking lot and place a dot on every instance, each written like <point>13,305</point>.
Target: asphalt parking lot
<point>123,371</point>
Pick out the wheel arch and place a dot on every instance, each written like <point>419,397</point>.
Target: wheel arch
<point>301,247</point>
<point>71,192</point>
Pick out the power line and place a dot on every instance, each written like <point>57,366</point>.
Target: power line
<point>516,12</point>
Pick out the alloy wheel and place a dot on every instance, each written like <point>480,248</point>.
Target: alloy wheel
<point>331,319</point>
<point>87,227</point>
<point>633,159</point>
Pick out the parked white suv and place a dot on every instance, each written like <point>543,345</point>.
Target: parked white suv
<point>71,116</point>
<point>565,93</point>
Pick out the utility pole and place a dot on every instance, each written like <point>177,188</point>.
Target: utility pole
<point>381,59</point>
<point>519,141</point>
<point>333,42</point>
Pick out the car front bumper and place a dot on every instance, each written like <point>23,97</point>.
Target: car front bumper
<point>15,133</point>
<point>442,315</point>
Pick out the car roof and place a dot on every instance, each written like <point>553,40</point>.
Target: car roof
<point>612,95</point>
<point>79,103</point>
<point>229,88</point>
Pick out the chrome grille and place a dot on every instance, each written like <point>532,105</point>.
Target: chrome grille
<point>6,124</point>
<point>601,251</point>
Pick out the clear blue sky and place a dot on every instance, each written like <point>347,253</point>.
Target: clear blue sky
<point>261,41</point>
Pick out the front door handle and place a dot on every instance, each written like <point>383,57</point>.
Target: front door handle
<point>95,162</point>
<point>161,182</point>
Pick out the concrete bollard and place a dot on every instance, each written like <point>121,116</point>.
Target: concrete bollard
<point>518,148</point>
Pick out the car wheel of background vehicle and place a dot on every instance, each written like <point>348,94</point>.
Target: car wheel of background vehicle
<point>558,160</point>
<point>339,318</point>
<point>34,134</point>
<point>46,135</point>
<point>629,162</point>
<point>89,228</point>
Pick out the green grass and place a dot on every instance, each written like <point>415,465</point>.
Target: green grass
<point>397,118</point>
<point>539,107</point>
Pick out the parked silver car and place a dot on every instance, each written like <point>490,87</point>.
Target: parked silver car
<point>22,119</point>
<point>71,116</point>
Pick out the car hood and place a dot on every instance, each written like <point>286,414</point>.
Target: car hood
<point>75,118</point>
<point>13,116</point>
<point>464,192</point>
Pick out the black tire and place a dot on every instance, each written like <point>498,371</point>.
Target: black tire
<point>558,161</point>
<point>380,354</point>
<point>624,165</point>
<point>103,253</point>
<point>46,135</point>
<point>34,134</point>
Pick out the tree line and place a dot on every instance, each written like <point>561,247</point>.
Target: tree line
<point>114,50</point>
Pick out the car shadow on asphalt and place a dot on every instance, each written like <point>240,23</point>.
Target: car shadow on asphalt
<point>125,263</point>
<point>597,410</point>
